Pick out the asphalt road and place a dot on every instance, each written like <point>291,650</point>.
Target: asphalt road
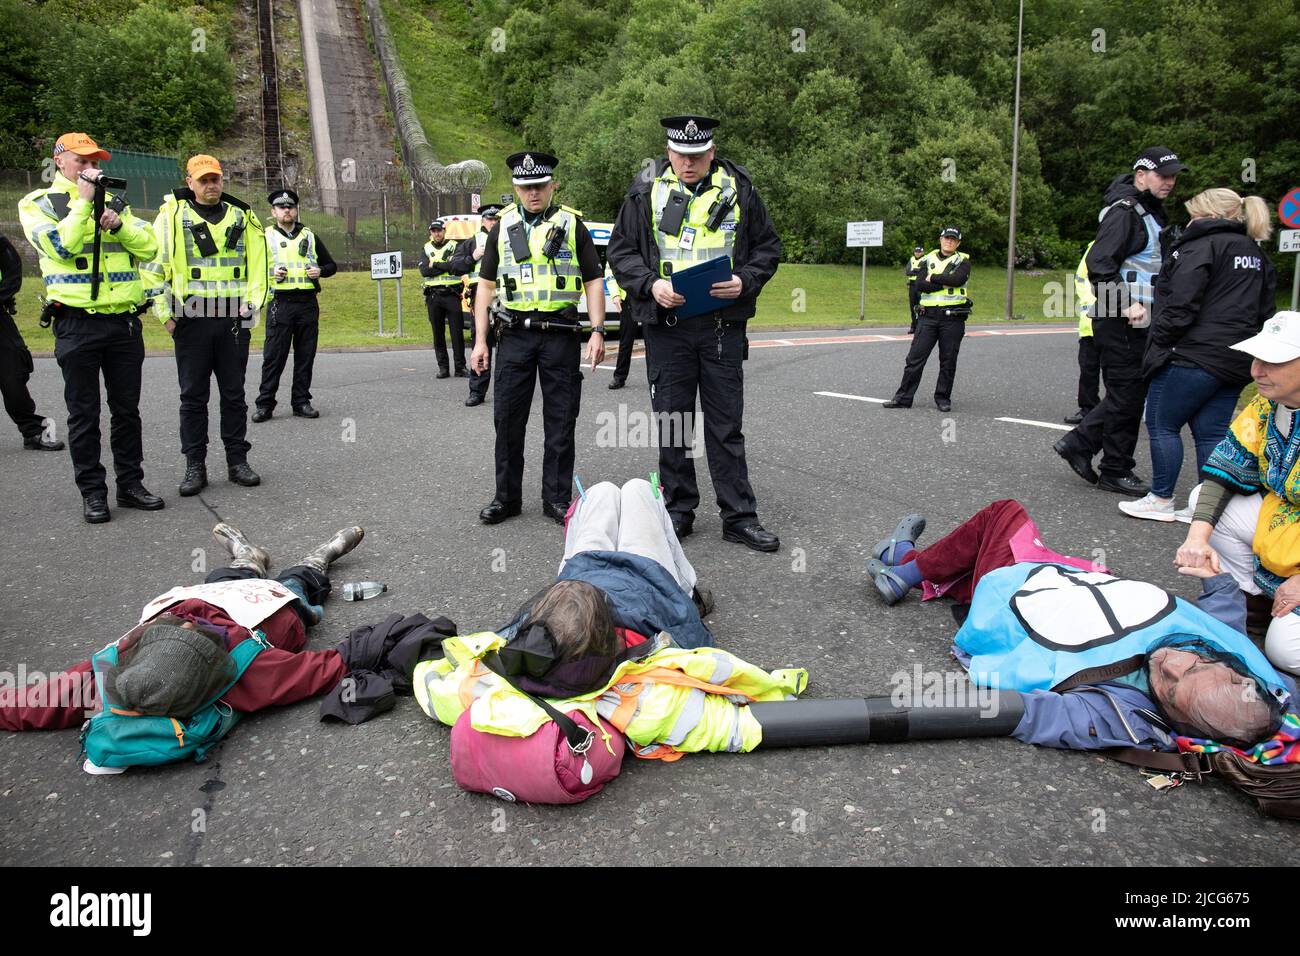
<point>831,474</point>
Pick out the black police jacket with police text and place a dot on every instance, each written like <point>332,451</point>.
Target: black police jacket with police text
<point>1215,289</point>
<point>634,255</point>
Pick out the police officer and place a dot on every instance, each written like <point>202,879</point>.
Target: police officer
<point>694,209</point>
<point>16,359</point>
<point>209,282</point>
<point>913,271</point>
<point>442,288</point>
<point>627,330</point>
<point>942,309</point>
<point>465,263</point>
<point>298,260</point>
<point>1122,264</point>
<point>541,257</point>
<point>96,317</point>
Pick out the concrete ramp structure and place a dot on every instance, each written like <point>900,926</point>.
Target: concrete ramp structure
<point>351,135</point>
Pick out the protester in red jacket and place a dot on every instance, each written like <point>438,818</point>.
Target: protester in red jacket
<point>232,604</point>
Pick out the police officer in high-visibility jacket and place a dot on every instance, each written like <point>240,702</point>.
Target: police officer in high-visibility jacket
<point>465,263</point>
<point>96,319</point>
<point>915,267</point>
<point>695,209</point>
<point>1089,358</point>
<point>298,260</point>
<point>541,258</point>
<point>209,282</point>
<point>442,288</point>
<point>942,310</point>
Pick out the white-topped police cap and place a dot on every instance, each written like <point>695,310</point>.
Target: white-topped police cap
<point>283,197</point>
<point>491,211</point>
<point>951,232</point>
<point>689,134</point>
<point>530,169</point>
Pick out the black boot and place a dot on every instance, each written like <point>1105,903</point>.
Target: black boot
<point>195,480</point>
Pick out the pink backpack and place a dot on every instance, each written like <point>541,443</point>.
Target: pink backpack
<point>543,768</point>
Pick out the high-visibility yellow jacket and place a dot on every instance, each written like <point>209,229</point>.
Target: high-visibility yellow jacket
<point>181,274</point>
<point>672,702</point>
<point>61,228</point>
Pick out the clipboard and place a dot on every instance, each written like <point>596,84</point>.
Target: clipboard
<point>693,285</point>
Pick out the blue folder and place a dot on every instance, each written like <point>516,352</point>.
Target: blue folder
<point>693,285</point>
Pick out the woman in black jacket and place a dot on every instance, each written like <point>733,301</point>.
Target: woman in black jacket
<point>1215,289</point>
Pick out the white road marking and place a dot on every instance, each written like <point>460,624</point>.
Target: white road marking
<point>856,398</point>
<point>1030,421</point>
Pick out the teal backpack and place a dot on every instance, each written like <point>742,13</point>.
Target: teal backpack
<point>115,738</point>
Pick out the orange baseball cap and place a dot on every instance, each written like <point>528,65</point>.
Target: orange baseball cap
<point>82,145</point>
<point>203,164</point>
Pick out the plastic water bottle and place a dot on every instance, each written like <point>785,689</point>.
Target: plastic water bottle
<point>363,590</point>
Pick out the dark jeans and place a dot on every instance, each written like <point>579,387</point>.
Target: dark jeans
<point>86,347</point>
<point>947,334</point>
<point>682,361</point>
<point>207,347</point>
<point>1180,395</point>
<point>523,357</point>
<point>444,309</point>
<point>1089,374</point>
<point>289,322</point>
<point>15,369</point>
<point>1112,427</point>
<point>627,330</point>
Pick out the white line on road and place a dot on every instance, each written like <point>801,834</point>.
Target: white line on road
<point>1030,421</point>
<point>856,398</point>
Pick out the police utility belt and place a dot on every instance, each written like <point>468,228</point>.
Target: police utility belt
<point>57,310</point>
<point>945,311</point>
<point>565,320</point>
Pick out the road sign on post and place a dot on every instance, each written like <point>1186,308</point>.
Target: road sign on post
<point>863,235</point>
<point>387,265</point>
<point>1288,240</point>
<point>1288,210</point>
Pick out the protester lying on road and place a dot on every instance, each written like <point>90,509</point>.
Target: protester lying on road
<point>1140,665</point>
<point>200,656</point>
<point>616,647</point>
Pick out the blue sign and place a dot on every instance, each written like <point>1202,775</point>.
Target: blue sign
<point>1288,209</point>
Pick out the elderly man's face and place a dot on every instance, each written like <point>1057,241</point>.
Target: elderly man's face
<point>1278,382</point>
<point>1205,695</point>
<point>71,165</point>
<point>690,168</point>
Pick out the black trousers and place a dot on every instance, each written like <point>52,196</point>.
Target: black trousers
<point>699,356</point>
<point>293,322</point>
<point>478,381</point>
<point>16,367</point>
<point>1112,427</point>
<point>947,334</point>
<point>913,304</point>
<point>206,348</point>
<point>627,330</point>
<point>1089,374</point>
<point>112,345</point>
<point>523,356</point>
<point>444,309</point>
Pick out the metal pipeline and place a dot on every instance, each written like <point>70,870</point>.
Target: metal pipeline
<point>876,720</point>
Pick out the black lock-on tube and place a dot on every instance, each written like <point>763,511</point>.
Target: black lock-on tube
<point>876,720</point>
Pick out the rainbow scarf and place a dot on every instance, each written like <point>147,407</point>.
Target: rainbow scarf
<point>1282,747</point>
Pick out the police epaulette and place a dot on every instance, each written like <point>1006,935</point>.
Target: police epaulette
<point>237,203</point>
<point>571,211</point>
